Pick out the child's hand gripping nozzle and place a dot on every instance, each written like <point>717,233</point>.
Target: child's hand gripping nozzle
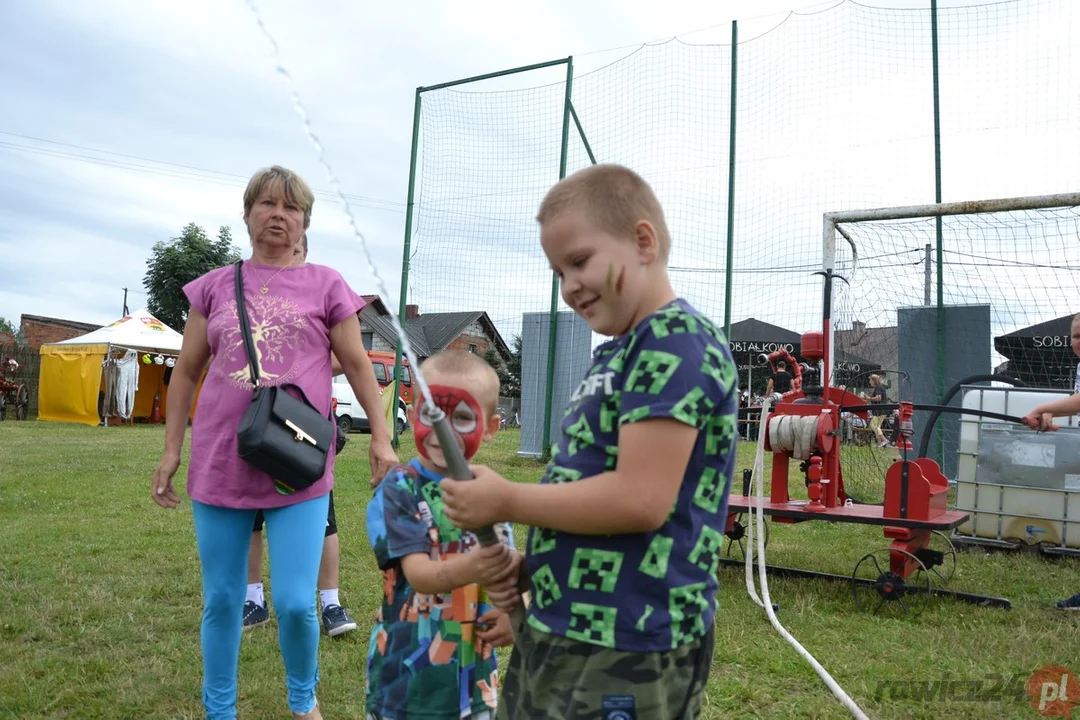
<point>458,468</point>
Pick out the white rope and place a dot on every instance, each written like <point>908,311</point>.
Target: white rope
<point>797,433</point>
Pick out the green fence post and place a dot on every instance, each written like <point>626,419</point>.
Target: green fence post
<point>581,134</point>
<point>728,274</point>
<point>553,322</point>
<point>403,298</point>
<point>940,241</point>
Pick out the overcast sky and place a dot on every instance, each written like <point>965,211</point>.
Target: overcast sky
<point>124,120</point>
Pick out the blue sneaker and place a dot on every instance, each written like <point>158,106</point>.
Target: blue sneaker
<point>1072,603</point>
<point>336,621</point>
<point>255,614</point>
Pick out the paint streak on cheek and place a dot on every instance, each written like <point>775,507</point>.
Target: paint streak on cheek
<point>619,282</point>
<point>610,280</point>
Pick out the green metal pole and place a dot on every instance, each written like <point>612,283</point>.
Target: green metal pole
<point>940,241</point>
<point>581,134</point>
<point>729,276</point>
<point>553,321</point>
<point>403,296</point>
<point>500,73</point>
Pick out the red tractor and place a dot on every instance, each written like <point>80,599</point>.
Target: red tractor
<point>14,397</point>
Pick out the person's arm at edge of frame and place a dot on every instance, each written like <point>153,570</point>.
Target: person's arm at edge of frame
<point>194,352</point>
<point>1041,416</point>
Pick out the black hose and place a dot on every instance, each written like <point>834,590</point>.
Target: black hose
<point>924,444</point>
<point>936,408</point>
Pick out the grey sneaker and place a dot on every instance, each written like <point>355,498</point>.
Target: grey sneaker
<point>336,621</point>
<point>1072,603</point>
<point>255,614</point>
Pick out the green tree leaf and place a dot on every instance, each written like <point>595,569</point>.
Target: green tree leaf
<point>176,262</point>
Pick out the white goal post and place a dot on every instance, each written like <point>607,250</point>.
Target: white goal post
<point>834,223</point>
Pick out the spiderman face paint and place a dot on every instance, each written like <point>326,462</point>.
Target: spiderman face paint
<point>464,415</point>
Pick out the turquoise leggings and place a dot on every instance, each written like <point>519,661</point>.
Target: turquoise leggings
<point>294,535</point>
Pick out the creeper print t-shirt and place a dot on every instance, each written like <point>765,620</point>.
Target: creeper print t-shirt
<point>653,591</point>
<point>425,661</point>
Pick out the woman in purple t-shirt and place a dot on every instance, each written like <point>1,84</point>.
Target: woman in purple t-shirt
<point>299,313</point>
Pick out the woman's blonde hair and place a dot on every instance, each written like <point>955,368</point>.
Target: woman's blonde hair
<point>294,188</point>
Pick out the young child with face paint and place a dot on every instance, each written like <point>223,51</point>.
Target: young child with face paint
<point>628,521</point>
<point>432,648</point>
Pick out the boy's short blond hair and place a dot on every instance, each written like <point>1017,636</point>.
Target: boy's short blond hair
<point>455,366</point>
<point>615,199</point>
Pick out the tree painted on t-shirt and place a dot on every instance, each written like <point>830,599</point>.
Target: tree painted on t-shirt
<point>276,329</point>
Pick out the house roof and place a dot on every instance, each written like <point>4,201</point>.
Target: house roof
<point>377,302</point>
<point>432,332</point>
<point>60,322</point>
<point>381,323</point>
<point>441,328</point>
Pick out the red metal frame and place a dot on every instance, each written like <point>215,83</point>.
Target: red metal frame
<point>915,490</point>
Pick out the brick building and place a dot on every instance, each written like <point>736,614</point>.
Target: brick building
<point>38,330</point>
<point>34,332</point>
<point>431,333</point>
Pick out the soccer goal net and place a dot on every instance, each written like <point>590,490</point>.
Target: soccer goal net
<point>932,295</point>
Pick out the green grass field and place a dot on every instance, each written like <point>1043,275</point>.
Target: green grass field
<point>100,602</point>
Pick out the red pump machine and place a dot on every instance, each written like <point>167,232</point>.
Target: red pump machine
<point>804,424</point>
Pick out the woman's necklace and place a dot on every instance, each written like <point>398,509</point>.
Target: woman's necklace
<point>264,289</point>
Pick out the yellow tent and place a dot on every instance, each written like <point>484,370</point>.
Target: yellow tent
<point>71,376</point>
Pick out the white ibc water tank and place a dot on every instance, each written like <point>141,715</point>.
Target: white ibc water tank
<point>1019,486</point>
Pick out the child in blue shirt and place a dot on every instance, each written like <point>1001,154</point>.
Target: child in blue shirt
<point>432,653</point>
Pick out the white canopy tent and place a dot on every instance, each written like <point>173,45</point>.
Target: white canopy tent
<point>72,374</point>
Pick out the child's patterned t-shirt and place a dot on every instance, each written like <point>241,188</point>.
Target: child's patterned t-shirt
<point>424,659</point>
<point>652,591</point>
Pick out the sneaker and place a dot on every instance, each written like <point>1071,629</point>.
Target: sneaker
<point>336,621</point>
<point>312,714</point>
<point>1072,603</point>
<point>883,443</point>
<point>255,614</point>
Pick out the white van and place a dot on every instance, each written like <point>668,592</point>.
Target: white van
<point>350,414</point>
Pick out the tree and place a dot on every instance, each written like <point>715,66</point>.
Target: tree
<point>177,262</point>
<point>6,326</point>
<point>510,371</point>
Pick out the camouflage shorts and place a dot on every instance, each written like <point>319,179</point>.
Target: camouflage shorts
<point>552,678</point>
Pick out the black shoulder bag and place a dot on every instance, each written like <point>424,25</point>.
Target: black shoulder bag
<point>284,436</point>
